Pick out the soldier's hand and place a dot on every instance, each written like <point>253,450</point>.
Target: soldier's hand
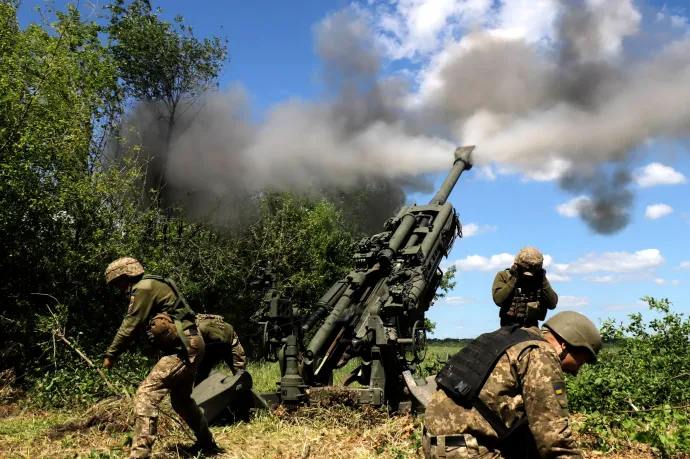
<point>107,362</point>
<point>514,270</point>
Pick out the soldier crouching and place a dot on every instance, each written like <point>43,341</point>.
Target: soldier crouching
<point>158,310</point>
<point>503,396</point>
<point>222,345</point>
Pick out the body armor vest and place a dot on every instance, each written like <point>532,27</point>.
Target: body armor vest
<point>166,327</point>
<point>463,377</point>
<point>525,305</point>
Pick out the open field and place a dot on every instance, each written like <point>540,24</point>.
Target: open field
<point>335,431</point>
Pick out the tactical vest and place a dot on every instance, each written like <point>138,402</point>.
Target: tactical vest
<point>180,311</point>
<point>525,306</point>
<point>463,377</point>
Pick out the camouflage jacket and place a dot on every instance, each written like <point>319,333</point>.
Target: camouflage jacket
<point>220,337</point>
<point>147,298</point>
<point>527,381</point>
<point>503,292</point>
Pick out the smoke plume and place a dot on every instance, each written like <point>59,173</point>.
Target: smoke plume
<point>355,138</point>
<point>586,102</point>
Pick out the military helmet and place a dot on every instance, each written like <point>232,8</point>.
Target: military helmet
<point>529,257</point>
<point>126,266</point>
<point>576,330</point>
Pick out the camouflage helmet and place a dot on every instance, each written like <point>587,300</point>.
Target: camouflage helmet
<point>126,266</point>
<point>577,331</point>
<point>529,257</point>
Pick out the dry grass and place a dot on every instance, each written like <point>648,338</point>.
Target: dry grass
<point>332,429</point>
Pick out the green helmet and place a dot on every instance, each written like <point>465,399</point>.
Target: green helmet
<point>576,330</point>
<point>126,266</point>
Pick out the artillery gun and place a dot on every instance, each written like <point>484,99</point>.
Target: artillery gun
<point>376,313</point>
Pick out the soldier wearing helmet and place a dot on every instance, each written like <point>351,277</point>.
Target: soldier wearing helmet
<point>503,396</point>
<point>523,292</point>
<point>158,311</point>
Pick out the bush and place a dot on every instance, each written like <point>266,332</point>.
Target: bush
<point>640,387</point>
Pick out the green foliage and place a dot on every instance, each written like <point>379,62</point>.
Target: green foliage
<point>646,368</point>
<point>69,212</point>
<point>160,61</point>
<point>444,287</point>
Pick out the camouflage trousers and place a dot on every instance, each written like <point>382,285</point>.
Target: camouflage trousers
<point>455,447</point>
<point>171,375</point>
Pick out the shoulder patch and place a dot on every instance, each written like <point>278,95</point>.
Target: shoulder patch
<point>131,303</point>
<point>561,397</point>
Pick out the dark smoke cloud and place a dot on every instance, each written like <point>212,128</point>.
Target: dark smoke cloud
<point>609,210</point>
<point>586,100</point>
<point>354,144</point>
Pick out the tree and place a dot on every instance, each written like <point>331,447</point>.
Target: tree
<point>58,95</point>
<point>164,68</point>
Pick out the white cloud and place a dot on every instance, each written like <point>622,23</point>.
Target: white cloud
<point>534,20</point>
<point>659,281</point>
<point>657,211</point>
<point>657,174</point>
<point>602,279</point>
<point>611,279</point>
<point>625,306</point>
<point>558,277</point>
<point>472,229</point>
<point>679,21</point>
<point>417,28</point>
<point>479,263</point>
<point>573,207</point>
<point>617,262</point>
<point>676,283</point>
<point>684,265</point>
<point>628,266</point>
<point>458,300</point>
<point>568,301</point>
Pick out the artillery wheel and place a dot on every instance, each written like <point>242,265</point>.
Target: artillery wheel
<point>419,343</point>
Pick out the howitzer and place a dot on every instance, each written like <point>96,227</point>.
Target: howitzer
<point>376,313</point>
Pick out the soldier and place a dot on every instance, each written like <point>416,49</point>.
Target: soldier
<point>222,345</point>
<point>523,292</point>
<point>158,310</point>
<point>521,411</point>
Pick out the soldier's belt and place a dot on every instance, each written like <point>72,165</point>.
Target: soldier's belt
<point>445,440</point>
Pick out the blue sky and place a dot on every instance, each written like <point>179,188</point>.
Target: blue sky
<point>271,46</point>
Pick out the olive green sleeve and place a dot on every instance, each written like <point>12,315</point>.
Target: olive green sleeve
<point>549,296</point>
<point>503,286</point>
<point>140,304</point>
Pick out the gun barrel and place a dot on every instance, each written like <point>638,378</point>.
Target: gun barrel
<point>463,162</point>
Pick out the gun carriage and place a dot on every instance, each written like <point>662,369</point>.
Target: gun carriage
<point>375,314</point>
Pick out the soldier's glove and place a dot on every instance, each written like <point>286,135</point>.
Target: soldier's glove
<point>514,270</point>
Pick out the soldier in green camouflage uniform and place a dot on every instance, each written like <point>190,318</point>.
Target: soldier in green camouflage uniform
<point>523,292</point>
<point>155,311</point>
<point>526,381</point>
<point>222,345</point>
